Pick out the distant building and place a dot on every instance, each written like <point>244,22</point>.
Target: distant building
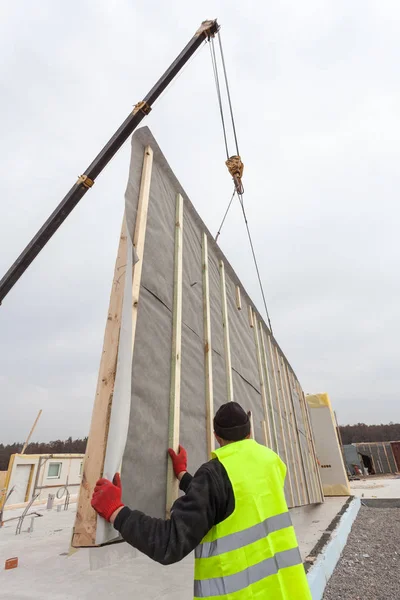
<point>372,458</point>
<point>354,462</point>
<point>29,475</point>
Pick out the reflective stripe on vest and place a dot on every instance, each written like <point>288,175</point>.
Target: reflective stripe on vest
<point>219,586</point>
<point>243,538</point>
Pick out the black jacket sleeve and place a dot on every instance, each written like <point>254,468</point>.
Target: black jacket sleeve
<point>185,482</point>
<point>192,516</point>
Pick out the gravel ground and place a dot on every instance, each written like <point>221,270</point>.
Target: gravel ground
<point>370,564</point>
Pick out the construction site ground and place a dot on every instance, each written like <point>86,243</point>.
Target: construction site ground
<point>377,486</point>
<point>369,566</point>
<point>46,571</point>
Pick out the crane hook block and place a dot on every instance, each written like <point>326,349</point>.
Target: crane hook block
<point>235,168</point>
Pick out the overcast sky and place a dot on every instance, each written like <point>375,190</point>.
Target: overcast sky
<point>316,92</point>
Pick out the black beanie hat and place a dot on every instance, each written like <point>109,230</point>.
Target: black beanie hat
<point>231,422</point>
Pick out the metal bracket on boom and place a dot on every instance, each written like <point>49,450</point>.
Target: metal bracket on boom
<point>86,181</point>
<point>143,107</point>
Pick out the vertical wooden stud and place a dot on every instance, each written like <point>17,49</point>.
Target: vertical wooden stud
<point>175,390</point>
<point>28,487</point>
<point>295,433</point>
<point>208,372</point>
<point>297,436</point>
<point>307,460</point>
<point>290,439</point>
<point>274,437</point>
<point>315,469</point>
<point>372,458</point>
<point>84,533</point>
<point>312,483</point>
<point>393,457</point>
<point>386,454</point>
<point>261,380</point>
<point>378,447</point>
<point>250,313</point>
<point>139,234</point>
<point>238,298</point>
<point>252,435</point>
<point>264,428</point>
<point>225,324</point>
<point>285,456</point>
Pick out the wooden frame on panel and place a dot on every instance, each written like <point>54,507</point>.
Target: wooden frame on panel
<point>225,324</point>
<point>84,532</point>
<point>176,349</point>
<point>285,458</point>
<point>287,421</point>
<point>208,370</point>
<point>297,434</point>
<point>275,445</point>
<point>261,379</point>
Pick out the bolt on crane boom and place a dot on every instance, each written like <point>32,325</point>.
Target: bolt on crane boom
<point>207,30</point>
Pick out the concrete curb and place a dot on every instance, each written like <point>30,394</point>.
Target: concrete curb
<point>319,574</point>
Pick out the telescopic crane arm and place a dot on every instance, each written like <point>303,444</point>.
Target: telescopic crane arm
<point>207,30</point>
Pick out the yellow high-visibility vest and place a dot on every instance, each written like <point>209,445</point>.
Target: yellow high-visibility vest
<point>253,554</point>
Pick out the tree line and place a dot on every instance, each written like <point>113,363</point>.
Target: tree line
<point>350,435</point>
<point>361,432</point>
<point>68,446</point>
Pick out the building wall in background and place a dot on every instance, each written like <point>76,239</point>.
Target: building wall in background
<point>352,459</point>
<point>32,474</point>
<point>381,454</point>
<point>396,453</point>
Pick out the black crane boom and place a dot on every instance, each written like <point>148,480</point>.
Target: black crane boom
<point>207,30</point>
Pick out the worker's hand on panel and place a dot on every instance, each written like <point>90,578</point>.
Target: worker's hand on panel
<point>106,499</point>
<point>179,461</point>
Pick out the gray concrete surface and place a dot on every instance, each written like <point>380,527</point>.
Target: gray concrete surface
<point>116,571</point>
<point>310,522</point>
<point>386,486</point>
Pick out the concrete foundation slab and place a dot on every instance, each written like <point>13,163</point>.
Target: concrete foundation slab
<point>377,487</point>
<point>46,571</point>
<point>310,522</point>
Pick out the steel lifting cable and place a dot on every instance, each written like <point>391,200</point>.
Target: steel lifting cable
<point>239,192</point>
<point>255,261</point>
<point>228,92</point>
<point>221,112</point>
<point>218,88</point>
<point>225,215</point>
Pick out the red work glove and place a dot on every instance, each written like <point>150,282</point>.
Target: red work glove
<point>107,496</point>
<point>179,461</point>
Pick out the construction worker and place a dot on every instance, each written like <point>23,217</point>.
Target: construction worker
<point>233,515</point>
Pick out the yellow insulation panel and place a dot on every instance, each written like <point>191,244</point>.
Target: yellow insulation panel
<point>318,401</point>
<point>336,490</point>
<point>332,469</point>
